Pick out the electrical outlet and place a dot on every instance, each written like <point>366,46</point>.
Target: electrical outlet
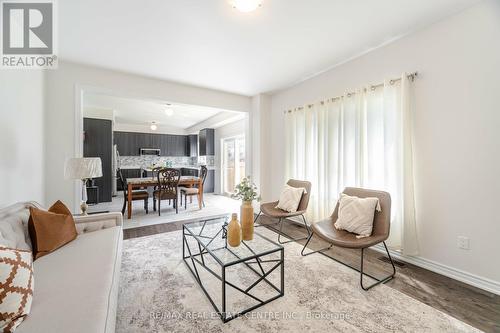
<point>463,243</point>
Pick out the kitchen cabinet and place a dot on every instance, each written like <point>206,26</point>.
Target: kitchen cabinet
<point>98,142</point>
<point>130,143</point>
<point>192,145</point>
<point>179,146</point>
<point>189,172</point>
<point>206,140</point>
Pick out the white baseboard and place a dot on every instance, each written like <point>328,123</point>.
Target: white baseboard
<point>456,274</point>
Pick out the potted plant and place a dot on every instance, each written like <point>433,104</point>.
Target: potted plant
<point>246,191</point>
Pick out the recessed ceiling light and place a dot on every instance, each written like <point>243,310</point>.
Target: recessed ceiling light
<point>246,6</point>
<point>169,112</point>
<point>153,126</point>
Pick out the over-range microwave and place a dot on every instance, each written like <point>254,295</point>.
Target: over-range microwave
<point>150,152</point>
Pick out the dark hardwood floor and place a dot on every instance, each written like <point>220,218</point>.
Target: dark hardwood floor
<point>474,306</point>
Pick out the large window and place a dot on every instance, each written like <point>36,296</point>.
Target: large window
<point>233,162</point>
<point>360,139</point>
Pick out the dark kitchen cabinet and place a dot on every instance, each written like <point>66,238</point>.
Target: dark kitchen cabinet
<point>164,145</point>
<point>180,145</point>
<point>174,145</point>
<point>98,142</point>
<point>192,145</point>
<point>189,172</point>
<point>130,143</point>
<point>207,142</point>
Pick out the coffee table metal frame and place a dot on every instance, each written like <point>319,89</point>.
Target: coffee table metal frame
<point>198,260</point>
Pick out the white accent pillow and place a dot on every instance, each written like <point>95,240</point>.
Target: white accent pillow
<point>290,198</point>
<point>356,214</point>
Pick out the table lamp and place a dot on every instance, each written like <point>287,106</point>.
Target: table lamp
<point>83,168</point>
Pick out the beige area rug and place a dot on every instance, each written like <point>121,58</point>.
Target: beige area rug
<point>159,294</point>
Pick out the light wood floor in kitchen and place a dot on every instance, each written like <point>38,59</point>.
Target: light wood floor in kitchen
<point>474,306</point>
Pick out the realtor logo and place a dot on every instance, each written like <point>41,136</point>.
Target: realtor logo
<point>28,34</point>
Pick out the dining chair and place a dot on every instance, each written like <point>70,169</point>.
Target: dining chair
<point>269,209</point>
<point>167,188</point>
<point>136,194</point>
<point>194,191</point>
<point>326,230</point>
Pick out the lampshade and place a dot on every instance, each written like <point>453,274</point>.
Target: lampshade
<point>83,168</point>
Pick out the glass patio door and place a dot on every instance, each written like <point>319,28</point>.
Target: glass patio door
<point>233,163</point>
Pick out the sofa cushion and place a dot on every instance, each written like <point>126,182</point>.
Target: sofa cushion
<point>16,287</point>
<point>76,286</point>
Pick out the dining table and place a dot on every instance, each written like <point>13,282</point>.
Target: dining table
<point>145,182</point>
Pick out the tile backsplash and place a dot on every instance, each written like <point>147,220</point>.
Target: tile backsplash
<point>176,161</point>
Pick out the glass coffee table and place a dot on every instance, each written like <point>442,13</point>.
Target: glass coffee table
<point>235,280</point>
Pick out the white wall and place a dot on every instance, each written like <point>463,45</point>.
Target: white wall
<point>226,131</point>
<point>145,128</point>
<point>99,113</point>
<point>457,130</point>
<point>261,144</point>
<point>64,98</point>
<point>21,136</point>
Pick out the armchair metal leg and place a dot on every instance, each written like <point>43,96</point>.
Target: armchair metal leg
<point>256,218</point>
<point>378,281</point>
<point>280,230</point>
<point>305,246</point>
<point>264,225</point>
<point>280,233</point>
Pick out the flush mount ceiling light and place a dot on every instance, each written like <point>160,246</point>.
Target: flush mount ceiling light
<point>246,6</point>
<point>169,112</point>
<point>153,126</point>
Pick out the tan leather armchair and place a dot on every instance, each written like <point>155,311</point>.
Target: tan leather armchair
<point>381,227</point>
<point>269,209</point>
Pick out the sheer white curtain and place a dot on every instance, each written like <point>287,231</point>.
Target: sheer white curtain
<point>363,140</point>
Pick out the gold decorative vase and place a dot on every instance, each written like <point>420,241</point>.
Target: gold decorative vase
<point>246,216</point>
<point>234,232</point>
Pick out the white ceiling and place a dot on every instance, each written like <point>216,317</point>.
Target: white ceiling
<point>130,111</point>
<point>208,43</point>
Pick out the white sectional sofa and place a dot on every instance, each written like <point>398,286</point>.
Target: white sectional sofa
<point>76,286</point>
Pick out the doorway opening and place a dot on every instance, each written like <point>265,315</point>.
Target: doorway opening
<point>233,162</point>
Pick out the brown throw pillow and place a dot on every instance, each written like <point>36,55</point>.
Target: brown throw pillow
<point>49,230</point>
